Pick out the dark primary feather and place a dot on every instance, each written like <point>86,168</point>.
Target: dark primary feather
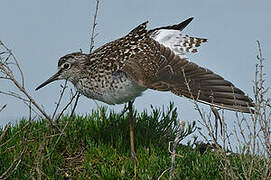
<point>179,26</point>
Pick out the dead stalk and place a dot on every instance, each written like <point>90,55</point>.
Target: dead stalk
<point>60,98</point>
<point>173,151</point>
<point>3,107</point>
<point>7,73</point>
<point>93,35</point>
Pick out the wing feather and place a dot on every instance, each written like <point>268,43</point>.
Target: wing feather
<point>160,64</point>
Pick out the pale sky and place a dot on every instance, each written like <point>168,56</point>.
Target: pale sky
<point>40,32</point>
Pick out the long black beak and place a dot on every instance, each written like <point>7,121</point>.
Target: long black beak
<point>51,79</point>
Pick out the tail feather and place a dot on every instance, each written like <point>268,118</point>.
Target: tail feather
<point>173,38</point>
<point>190,44</point>
<point>179,43</point>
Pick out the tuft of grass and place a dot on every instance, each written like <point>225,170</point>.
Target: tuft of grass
<point>96,146</point>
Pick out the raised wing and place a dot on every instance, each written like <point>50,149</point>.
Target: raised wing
<point>159,63</point>
<point>185,78</point>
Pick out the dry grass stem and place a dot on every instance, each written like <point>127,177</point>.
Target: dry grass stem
<point>3,107</point>
<point>93,34</point>
<point>176,141</point>
<point>7,73</point>
<point>60,98</point>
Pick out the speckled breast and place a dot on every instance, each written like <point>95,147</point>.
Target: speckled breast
<point>116,88</point>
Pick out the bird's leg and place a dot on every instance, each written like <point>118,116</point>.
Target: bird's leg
<point>125,109</point>
<point>130,107</point>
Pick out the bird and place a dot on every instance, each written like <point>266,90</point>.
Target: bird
<point>157,59</point>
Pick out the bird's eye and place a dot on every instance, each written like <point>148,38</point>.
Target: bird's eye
<point>66,66</point>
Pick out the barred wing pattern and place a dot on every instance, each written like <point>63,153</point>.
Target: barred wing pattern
<point>185,78</point>
<point>164,66</point>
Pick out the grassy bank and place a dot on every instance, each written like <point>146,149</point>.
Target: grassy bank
<point>96,146</point>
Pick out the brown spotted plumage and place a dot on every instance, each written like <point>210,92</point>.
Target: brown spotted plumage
<point>121,70</point>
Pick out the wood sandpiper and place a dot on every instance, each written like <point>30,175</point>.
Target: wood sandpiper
<point>121,70</point>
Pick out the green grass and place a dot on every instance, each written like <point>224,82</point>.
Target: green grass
<point>96,146</point>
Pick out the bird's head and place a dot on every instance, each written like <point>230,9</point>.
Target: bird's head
<point>68,68</point>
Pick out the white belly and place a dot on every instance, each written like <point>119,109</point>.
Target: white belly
<point>114,89</point>
<point>124,93</point>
